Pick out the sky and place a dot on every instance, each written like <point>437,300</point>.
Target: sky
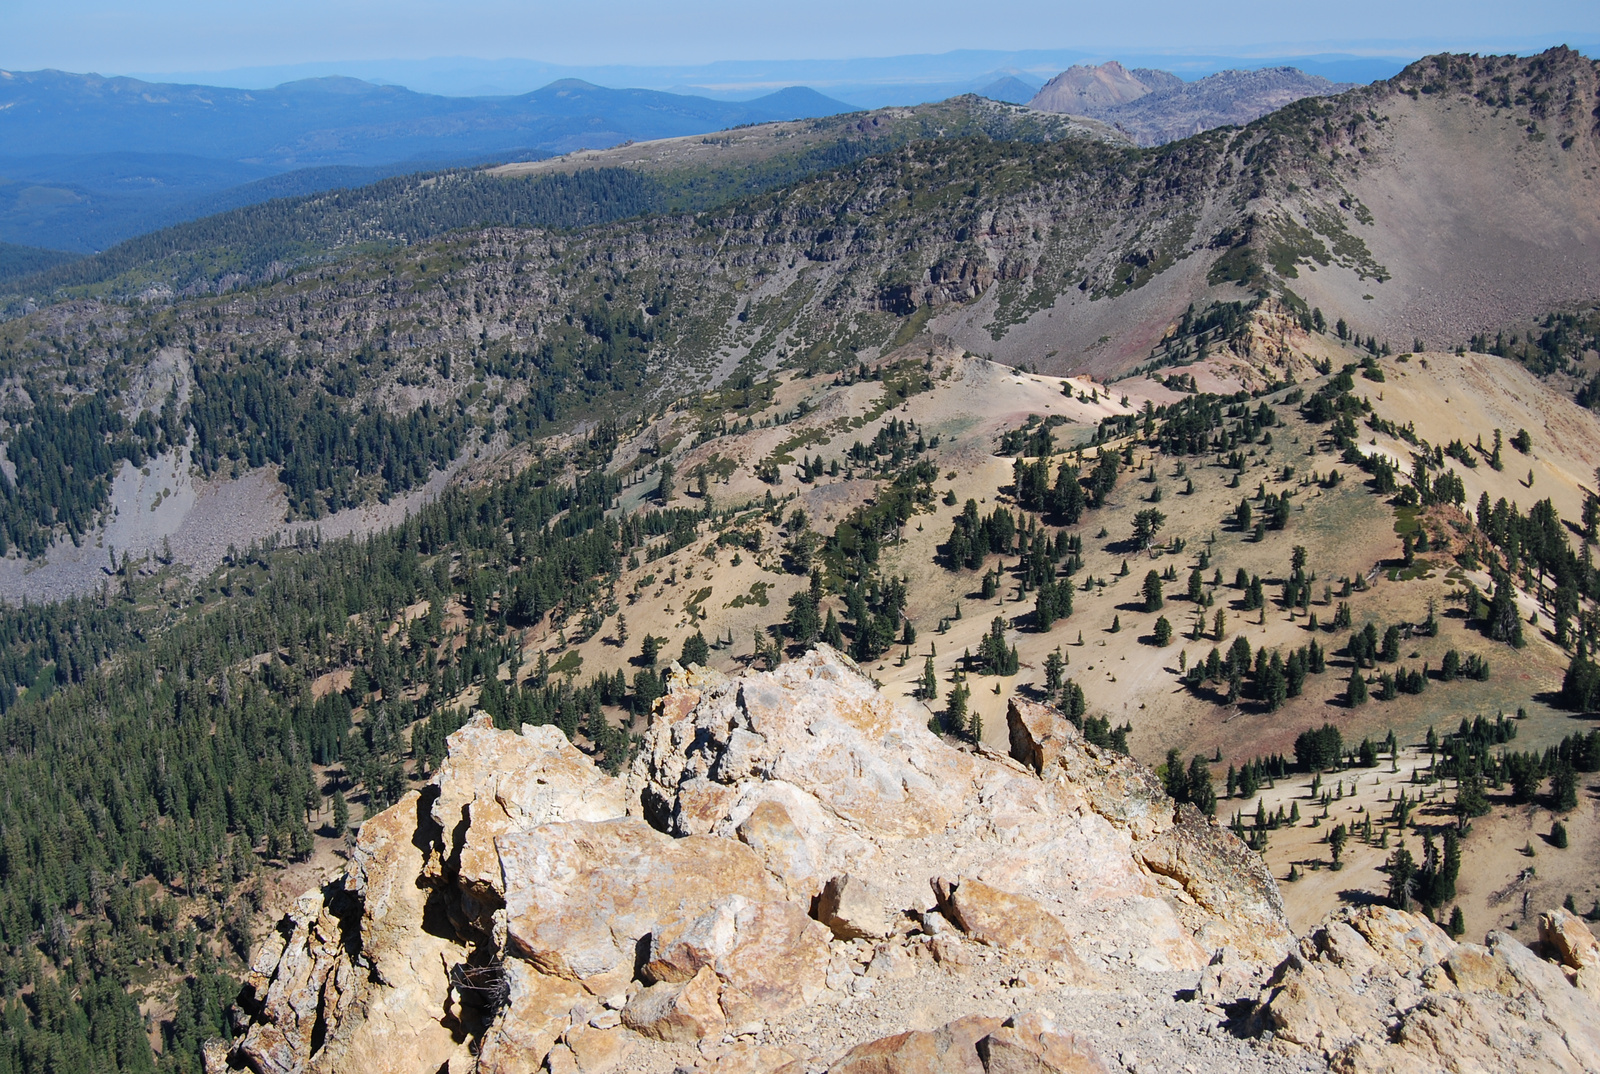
<point>112,37</point>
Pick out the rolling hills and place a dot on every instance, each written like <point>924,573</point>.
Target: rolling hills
<point>86,161</point>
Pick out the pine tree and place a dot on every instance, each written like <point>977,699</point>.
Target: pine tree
<point>1356,692</point>
<point>1177,779</point>
<point>1153,599</point>
<point>341,812</point>
<point>831,634</point>
<point>1402,869</point>
<point>955,712</point>
<point>1054,671</point>
<point>1198,785</point>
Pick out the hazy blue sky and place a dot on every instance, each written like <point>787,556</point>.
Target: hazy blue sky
<point>207,35</point>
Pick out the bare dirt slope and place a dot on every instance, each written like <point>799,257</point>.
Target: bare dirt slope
<point>1471,241</point>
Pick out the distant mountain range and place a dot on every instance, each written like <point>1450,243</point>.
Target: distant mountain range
<point>865,81</point>
<point>1155,107</point>
<point>86,161</point>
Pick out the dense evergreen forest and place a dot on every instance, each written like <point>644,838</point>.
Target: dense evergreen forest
<point>17,261</point>
<point>216,731</point>
<point>396,211</point>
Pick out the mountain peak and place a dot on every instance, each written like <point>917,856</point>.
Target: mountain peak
<point>1157,106</point>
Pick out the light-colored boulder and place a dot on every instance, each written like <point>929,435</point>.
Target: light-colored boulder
<point>580,895</point>
<point>1418,1001</point>
<point>1230,898</point>
<point>534,1018</point>
<point>1004,919</point>
<point>1403,940</point>
<point>1024,1044</point>
<point>770,956</point>
<point>597,1051</point>
<point>1568,936</point>
<point>311,977</point>
<point>676,905</point>
<point>1228,979</point>
<point>747,1057</point>
<point>852,909</point>
<point>771,833</point>
<point>492,783</point>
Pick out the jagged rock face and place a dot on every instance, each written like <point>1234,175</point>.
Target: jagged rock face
<point>1382,990</point>
<point>789,843</point>
<point>864,789</point>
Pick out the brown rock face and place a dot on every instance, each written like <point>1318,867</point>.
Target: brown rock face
<point>1005,920</point>
<point>683,1011</point>
<point>950,1049</point>
<point>1025,1044</point>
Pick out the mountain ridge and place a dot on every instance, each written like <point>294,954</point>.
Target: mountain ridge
<point>1156,107</point>
<point>152,153</point>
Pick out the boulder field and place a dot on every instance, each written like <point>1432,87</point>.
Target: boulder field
<point>796,875</point>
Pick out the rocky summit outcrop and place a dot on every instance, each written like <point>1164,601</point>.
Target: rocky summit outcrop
<point>1380,990</point>
<point>796,875</point>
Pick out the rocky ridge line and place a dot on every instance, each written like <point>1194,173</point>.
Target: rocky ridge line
<point>796,875</point>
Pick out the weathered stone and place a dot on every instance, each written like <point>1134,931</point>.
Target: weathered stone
<point>492,783</point>
<point>771,956</point>
<point>561,1060</point>
<point>1006,920</point>
<point>579,896</point>
<point>771,833</point>
<point>950,1049</point>
<point>1227,979</point>
<point>1368,1012</point>
<point>1030,1044</point>
<point>1402,939</point>
<point>1570,939</point>
<point>596,1051</point>
<point>311,980</point>
<point>1228,896</point>
<point>852,910</point>
<point>1118,788</point>
<point>1473,968</point>
<point>697,874</point>
<point>683,1011</point>
<point>751,1058</point>
<point>534,1018</point>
